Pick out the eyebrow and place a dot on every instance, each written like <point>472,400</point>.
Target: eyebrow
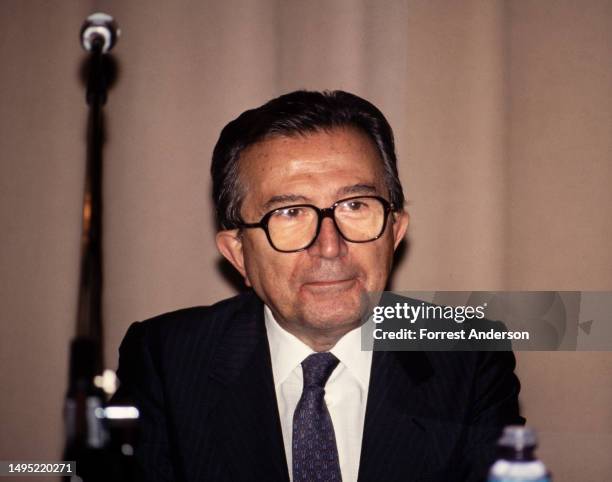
<point>281,199</point>
<point>358,189</point>
<point>284,199</point>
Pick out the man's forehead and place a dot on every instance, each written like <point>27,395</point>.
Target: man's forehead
<point>321,166</point>
<point>319,151</point>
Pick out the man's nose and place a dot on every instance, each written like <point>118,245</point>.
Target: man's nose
<point>329,243</point>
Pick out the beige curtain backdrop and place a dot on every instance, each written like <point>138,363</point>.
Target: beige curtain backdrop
<point>503,117</point>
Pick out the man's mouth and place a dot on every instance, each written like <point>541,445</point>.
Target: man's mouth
<point>329,284</point>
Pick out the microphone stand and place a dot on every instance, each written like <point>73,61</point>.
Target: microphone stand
<point>89,314</point>
<point>86,435</point>
<point>98,35</point>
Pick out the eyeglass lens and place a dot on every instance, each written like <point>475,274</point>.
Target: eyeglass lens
<point>295,227</point>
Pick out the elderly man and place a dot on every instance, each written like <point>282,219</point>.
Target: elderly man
<point>272,385</point>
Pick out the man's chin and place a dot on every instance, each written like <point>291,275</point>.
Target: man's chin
<point>332,312</point>
<point>331,305</point>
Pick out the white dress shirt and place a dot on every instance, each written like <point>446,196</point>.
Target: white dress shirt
<point>346,391</point>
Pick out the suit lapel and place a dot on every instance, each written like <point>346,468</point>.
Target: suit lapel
<point>395,443</point>
<point>246,416</point>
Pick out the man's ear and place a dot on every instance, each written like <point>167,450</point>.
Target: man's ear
<point>400,225</point>
<point>229,244</point>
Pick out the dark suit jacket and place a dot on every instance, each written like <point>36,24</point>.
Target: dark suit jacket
<point>202,379</point>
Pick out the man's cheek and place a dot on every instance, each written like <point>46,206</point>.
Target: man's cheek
<point>274,273</point>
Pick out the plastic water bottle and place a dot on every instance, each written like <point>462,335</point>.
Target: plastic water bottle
<point>517,461</point>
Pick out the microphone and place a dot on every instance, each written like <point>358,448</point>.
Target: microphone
<point>99,31</point>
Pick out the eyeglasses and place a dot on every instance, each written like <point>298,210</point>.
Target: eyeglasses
<point>358,219</point>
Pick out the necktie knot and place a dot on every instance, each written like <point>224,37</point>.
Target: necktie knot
<point>317,368</point>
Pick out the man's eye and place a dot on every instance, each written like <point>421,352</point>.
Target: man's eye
<point>355,205</point>
<point>289,212</point>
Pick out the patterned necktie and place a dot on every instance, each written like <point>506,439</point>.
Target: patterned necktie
<point>315,455</point>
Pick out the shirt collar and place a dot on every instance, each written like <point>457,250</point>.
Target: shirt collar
<point>287,352</point>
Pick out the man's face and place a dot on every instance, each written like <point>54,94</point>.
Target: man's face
<point>318,291</point>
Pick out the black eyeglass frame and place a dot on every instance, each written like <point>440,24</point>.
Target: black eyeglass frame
<point>322,213</point>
